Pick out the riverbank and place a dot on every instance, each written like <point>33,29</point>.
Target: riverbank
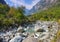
<point>41,30</point>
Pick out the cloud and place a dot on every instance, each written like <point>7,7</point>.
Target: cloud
<point>22,2</point>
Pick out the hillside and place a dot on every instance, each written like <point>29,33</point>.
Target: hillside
<point>42,26</point>
<point>42,5</point>
<point>52,13</point>
<point>2,2</point>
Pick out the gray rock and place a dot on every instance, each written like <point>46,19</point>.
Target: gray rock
<point>30,39</point>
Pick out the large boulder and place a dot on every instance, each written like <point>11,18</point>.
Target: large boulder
<point>20,29</point>
<point>30,39</point>
<point>16,39</point>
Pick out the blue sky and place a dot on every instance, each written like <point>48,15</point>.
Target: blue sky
<point>27,3</point>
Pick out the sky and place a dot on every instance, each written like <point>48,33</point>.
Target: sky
<point>27,3</point>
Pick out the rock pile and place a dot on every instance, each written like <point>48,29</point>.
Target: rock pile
<point>43,31</point>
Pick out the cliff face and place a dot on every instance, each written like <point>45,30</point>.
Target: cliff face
<point>2,2</point>
<point>42,5</point>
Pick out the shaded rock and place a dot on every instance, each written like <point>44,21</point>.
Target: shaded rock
<point>16,39</point>
<point>2,2</point>
<point>40,30</point>
<point>1,39</point>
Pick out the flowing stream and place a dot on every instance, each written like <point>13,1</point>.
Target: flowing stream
<point>42,30</point>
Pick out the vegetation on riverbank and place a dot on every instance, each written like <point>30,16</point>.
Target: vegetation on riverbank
<point>10,16</point>
<point>50,14</point>
<point>14,17</point>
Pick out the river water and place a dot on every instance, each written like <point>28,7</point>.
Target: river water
<point>15,36</point>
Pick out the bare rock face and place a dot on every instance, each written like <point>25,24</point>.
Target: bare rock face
<point>2,2</point>
<point>30,39</point>
<point>42,5</point>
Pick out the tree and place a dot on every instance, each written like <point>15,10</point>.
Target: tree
<point>4,9</point>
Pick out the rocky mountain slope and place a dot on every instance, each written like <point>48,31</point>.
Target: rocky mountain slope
<point>2,2</point>
<point>42,5</point>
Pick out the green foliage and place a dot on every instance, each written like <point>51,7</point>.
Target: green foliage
<point>11,16</point>
<point>50,14</point>
<point>4,9</point>
<point>57,37</point>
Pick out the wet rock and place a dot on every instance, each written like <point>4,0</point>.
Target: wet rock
<point>1,39</point>
<point>16,39</point>
<point>20,29</point>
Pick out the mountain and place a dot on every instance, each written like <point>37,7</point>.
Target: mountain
<point>2,2</point>
<point>42,5</point>
<point>50,14</point>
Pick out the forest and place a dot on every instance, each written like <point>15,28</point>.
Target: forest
<point>11,16</point>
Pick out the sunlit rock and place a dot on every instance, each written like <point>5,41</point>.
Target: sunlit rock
<point>41,30</point>
<point>20,29</point>
<point>30,39</point>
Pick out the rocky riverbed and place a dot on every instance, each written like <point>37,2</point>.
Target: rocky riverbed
<point>40,31</point>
